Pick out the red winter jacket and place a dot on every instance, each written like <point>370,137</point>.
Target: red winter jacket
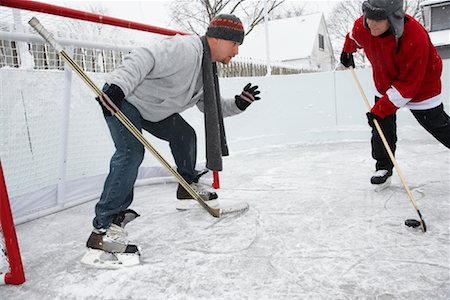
<point>410,77</point>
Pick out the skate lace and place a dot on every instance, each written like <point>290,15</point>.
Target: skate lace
<point>117,234</point>
<point>200,189</point>
<point>380,173</point>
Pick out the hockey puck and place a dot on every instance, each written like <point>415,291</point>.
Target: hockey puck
<point>412,223</point>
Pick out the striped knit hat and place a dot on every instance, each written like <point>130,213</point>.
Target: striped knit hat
<point>226,27</point>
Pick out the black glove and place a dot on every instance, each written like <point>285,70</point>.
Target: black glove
<point>370,117</point>
<point>114,93</point>
<point>247,96</point>
<point>347,59</point>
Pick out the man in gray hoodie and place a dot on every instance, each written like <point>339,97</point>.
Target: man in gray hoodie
<point>151,87</point>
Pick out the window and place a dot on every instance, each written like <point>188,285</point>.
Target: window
<point>321,42</point>
<point>440,17</point>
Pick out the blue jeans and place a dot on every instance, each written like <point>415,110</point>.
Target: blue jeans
<point>118,189</point>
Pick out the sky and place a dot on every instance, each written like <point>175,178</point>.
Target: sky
<point>157,13</point>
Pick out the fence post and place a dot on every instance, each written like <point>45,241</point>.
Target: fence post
<point>64,132</point>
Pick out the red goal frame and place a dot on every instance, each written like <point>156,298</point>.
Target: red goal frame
<point>16,274</point>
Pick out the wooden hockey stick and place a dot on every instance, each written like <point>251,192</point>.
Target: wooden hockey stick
<point>215,212</point>
<point>389,151</point>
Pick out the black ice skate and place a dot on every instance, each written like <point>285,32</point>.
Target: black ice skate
<point>381,179</point>
<point>201,189</point>
<point>110,248</point>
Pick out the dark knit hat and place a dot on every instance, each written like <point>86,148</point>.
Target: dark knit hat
<point>226,27</point>
<point>392,10</point>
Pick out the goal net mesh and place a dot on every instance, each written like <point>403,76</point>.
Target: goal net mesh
<point>33,86</point>
<point>45,139</point>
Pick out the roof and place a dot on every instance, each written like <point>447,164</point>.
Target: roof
<point>290,38</point>
<point>440,38</point>
<point>433,2</point>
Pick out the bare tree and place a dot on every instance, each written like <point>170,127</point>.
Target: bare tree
<point>194,16</point>
<point>341,20</point>
<point>289,9</point>
<point>90,30</point>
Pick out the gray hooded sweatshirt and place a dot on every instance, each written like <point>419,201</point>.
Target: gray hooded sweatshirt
<point>165,78</point>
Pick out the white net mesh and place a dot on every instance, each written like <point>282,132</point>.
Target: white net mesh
<point>33,90</point>
<point>4,265</point>
<point>44,57</point>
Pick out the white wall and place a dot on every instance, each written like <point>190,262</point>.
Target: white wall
<point>305,108</point>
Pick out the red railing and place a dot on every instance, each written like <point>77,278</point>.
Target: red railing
<point>86,16</point>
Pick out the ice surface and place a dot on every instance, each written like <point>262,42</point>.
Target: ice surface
<point>315,230</point>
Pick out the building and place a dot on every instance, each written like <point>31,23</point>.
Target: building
<point>300,42</point>
<point>436,16</point>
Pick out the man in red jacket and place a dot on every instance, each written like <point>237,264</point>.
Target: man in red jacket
<point>406,72</point>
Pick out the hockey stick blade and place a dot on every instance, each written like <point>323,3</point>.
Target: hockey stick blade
<point>238,208</point>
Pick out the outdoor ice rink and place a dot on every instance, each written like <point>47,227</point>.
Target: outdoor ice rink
<point>315,229</point>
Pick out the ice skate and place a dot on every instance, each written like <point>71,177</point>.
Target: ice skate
<point>125,217</point>
<point>110,248</point>
<point>381,179</point>
<point>186,201</point>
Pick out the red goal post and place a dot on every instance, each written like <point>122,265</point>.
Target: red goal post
<point>11,251</point>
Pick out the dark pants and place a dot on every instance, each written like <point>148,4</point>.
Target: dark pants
<point>434,120</point>
<point>118,189</point>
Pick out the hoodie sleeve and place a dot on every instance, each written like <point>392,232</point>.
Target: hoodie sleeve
<point>354,37</point>
<point>229,107</point>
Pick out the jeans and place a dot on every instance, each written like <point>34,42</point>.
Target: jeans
<point>118,188</point>
<point>434,120</point>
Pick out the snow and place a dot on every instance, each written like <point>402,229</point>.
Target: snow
<point>440,38</point>
<point>315,229</point>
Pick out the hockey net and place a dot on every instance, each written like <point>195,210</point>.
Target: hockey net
<point>42,161</point>
<point>46,165</point>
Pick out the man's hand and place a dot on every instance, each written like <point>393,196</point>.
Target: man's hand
<point>116,95</point>
<point>383,108</point>
<point>371,117</point>
<point>347,59</point>
<point>248,95</point>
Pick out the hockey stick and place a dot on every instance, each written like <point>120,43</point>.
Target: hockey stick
<point>215,212</point>
<point>389,151</point>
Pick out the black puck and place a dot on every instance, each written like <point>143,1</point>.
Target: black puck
<point>412,223</point>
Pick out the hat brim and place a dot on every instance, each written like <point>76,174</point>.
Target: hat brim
<point>372,12</point>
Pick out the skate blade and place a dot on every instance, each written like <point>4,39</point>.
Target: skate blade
<point>183,205</point>
<point>106,260</point>
<point>383,186</point>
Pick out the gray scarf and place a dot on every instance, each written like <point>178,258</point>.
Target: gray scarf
<point>216,144</point>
